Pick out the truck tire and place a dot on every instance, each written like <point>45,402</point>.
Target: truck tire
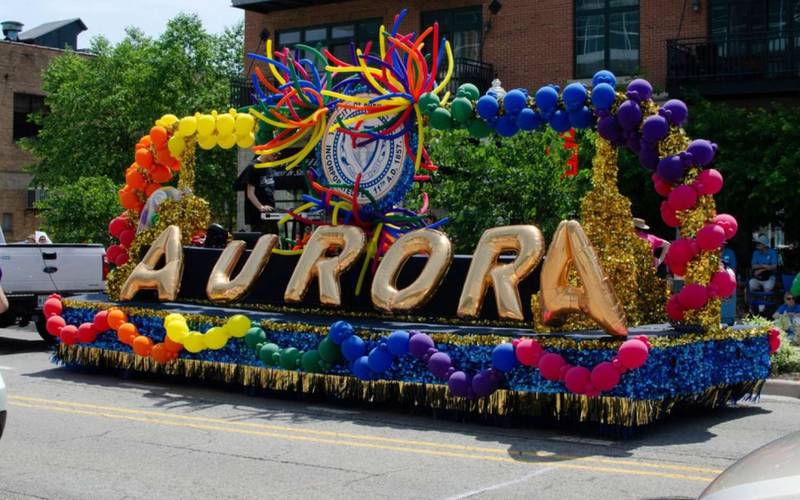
<point>41,328</point>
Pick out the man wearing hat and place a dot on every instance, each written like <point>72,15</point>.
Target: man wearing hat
<point>763,264</point>
<point>657,245</point>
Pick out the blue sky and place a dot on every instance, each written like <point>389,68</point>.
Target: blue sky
<point>110,17</point>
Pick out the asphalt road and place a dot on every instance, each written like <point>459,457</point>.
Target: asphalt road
<point>76,435</point>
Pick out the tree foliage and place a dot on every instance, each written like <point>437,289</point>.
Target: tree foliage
<point>100,105</point>
<point>80,211</point>
<point>498,182</point>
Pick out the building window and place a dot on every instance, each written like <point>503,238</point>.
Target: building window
<point>335,38</point>
<point>35,195</point>
<point>8,222</point>
<point>606,36</point>
<point>462,27</point>
<point>24,105</point>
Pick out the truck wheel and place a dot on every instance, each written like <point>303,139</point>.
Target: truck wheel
<point>41,328</point>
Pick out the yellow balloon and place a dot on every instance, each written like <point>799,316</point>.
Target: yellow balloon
<point>238,325</point>
<point>215,338</point>
<point>177,331</point>
<point>205,125</point>
<point>246,141</point>
<point>225,124</point>
<point>244,123</point>
<point>176,145</point>
<point>194,342</point>
<point>207,142</point>
<point>169,120</point>
<point>169,318</point>
<point>226,141</point>
<point>188,125</point>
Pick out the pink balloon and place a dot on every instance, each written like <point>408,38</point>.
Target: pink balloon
<point>724,282</point>
<point>674,309</point>
<point>69,335</point>
<point>668,215</point>
<point>710,237</point>
<point>693,296</point>
<point>661,186</point>
<point>682,251</point>
<point>633,353</point>
<point>54,325</point>
<point>86,333</point>
<point>126,237</point>
<point>550,366</point>
<point>528,352</point>
<point>604,376</point>
<point>728,223</point>
<point>708,182</point>
<point>101,321</point>
<point>577,378</point>
<point>52,307</point>
<point>682,198</point>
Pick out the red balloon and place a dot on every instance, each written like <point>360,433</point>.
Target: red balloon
<point>774,343</point>
<point>682,198</point>
<point>633,353</point>
<point>69,335</point>
<point>674,309</point>
<point>693,296</point>
<point>710,237</point>
<point>661,186</point>
<point>113,252</point>
<point>86,333</point>
<point>54,325</point>
<point>101,321</point>
<point>52,307</point>
<point>550,366</point>
<point>54,296</point>
<point>724,282</point>
<point>668,215</point>
<point>126,237</point>
<point>728,223</point>
<point>708,182</point>
<point>122,258</point>
<point>528,352</point>
<point>577,379</point>
<point>604,376</point>
<point>116,226</point>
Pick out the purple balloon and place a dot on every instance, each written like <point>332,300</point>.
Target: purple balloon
<point>671,168</point>
<point>629,115</point>
<point>640,89</point>
<point>702,151</point>
<point>678,112</point>
<point>633,142</point>
<point>439,364</point>
<point>483,383</point>
<point>608,128</point>
<point>655,128</point>
<point>648,158</point>
<point>459,384</point>
<point>419,344</point>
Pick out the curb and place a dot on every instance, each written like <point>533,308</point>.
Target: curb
<point>778,387</point>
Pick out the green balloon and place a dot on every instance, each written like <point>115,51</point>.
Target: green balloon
<point>461,109</point>
<point>310,362</point>
<point>796,285</point>
<point>469,91</point>
<point>254,336</point>
<point>478,128</point>
<point>265,354</point>
<point>440,119</point>
<point>290,358</point>
<point>428,102</point>
<point>328,351</point>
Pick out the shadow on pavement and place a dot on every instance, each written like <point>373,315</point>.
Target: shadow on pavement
<point>13,345</point>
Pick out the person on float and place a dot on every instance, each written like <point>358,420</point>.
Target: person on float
<point>764,264</point>
<point>657,245</point>
<point>787,316</point>
<point>260,194</point>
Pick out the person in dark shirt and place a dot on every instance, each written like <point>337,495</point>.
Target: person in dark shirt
<point>260,194</point>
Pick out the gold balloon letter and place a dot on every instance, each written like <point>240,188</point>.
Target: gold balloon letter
<point>166,280</point>
<point>350,242</point>
<point>385,294</point>
<point>528,243</point>
<point>221,287</point>
<point>596,298</point>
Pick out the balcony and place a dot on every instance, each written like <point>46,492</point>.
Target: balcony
<point>761,63</point>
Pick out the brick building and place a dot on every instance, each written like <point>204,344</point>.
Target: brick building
<point>22,61</point>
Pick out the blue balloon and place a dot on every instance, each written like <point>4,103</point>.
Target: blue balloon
<point>582,118</point>
<point>546,98</point>
<point>514,101</point>
<point>560,121</point>
<point>487,107</point>
<point>361,369</point>
<point>353,348</point>
<point>574,96</point>
<point>507,125</point>
<point>380,360</point>
<point>528,119</point>
<point>503,357</point>
<point>603,96</point>
<point>397,343</point>
<point>604,76</point>
<point>340,331</point>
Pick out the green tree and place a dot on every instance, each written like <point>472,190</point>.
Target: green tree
<point>499,182</point>
<point>80,211</point>
<point>100,105</point>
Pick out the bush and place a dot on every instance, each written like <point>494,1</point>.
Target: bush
<point>80,212</point>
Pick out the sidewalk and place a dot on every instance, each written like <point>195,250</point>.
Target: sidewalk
<point>781,387</point>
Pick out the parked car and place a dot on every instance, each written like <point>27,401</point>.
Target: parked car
<point>2,405</point>
<point>771,472</point>
<point>32,271</point>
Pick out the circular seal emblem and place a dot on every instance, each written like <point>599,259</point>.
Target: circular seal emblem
<point>385,165</point>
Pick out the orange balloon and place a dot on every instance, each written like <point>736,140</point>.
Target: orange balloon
<point>144,157</point>
<point>127,198</point>
<point>127,332</point>
<point>116,318</point>
<point>159,353</point>
<point>163,156</point>
<point>172,346</point>
<point>175,164</point>
<point>135,179</point>
<point>142,345</point>
<point>158,135</point>
<point>146,140</point>
<point>160,173</point>
<point>151,188</point>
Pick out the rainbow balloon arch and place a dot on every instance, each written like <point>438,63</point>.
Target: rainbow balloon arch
<point>374,307</point>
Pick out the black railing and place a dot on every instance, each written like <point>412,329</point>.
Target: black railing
<point>768,61</point>
<point>242,92</point>
<point>469,71</point>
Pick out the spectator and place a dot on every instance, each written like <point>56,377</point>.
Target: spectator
<point>787,317</point>
<point>763,265</point>
<point>657,245</point>
<point>729,258</point>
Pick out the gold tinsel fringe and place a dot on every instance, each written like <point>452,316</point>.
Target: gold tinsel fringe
<point>609,411</point>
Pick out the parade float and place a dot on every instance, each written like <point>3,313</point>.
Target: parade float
<point>374,307</point>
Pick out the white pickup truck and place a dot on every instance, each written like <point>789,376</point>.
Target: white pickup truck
<point>31,272</point>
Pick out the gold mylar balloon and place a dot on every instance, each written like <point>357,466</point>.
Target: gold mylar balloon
<point>220,287</point>
<point>596,298</point>
<point>166,280</point>
<point>435,244</point>
<point>528,243</point>
<point>350,242</point>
